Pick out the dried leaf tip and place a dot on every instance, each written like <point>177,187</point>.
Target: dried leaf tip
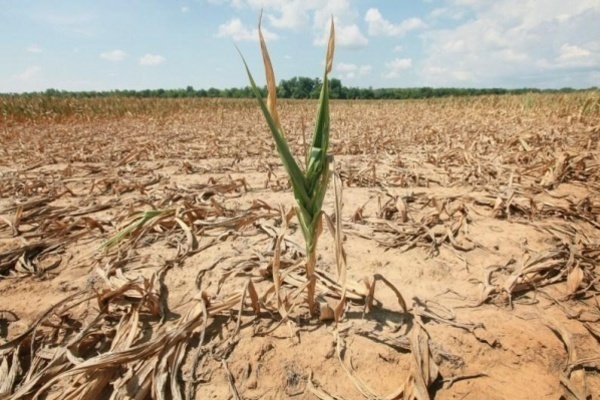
<point>270,75</point>
<point>330,48</point>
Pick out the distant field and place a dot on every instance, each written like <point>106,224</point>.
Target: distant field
<point>38,108</point>
<point>484,212</point>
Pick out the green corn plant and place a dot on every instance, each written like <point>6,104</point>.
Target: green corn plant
<point>142,218</point>
<point>310,183</point>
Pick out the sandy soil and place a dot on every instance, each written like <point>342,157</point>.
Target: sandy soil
<point>451,201</point>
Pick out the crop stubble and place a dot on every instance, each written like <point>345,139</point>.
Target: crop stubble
<point>483,212</point>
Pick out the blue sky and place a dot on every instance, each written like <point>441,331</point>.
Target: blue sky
<point>121,44</point>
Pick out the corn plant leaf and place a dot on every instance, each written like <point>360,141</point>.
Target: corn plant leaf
<point>316,202</point>
<point>321,136</point>
<point>330,48</point>
<point>296,177</point>
<point>270,75</point>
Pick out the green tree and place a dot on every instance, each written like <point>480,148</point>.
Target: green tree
<point>213,92</point>
<point>284,90</point>
<point>335,89</point>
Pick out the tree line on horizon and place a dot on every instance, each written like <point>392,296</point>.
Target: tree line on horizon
<point>307,88</point>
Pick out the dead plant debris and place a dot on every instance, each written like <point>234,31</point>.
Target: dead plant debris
<point>165,243</point>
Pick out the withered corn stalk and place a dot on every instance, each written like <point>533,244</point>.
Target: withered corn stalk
<point>309,184</point>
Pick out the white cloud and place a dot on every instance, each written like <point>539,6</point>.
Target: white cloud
<point>350,36</point>
<point>350,71</point>
<point>514,43</point>
<point>576,57</point>
<point>446,13</point>
<point>394,68</point>
<point>238,32</point>
<point>345,36</point>
<point>344,67</point>
<point>29,74</point>
<point>569,51</point>
<point>301,14</point>
<point>292,14</point>
<point>365,69</point>
<point>436,70</point>
<point>114,55</point>
<point>341,10</point>
<point>34,48</point>
<point>472,3</point>
<point>185,9</point>
<point>461,75</point>
<point>380,26</point>
<point>151,59</point>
